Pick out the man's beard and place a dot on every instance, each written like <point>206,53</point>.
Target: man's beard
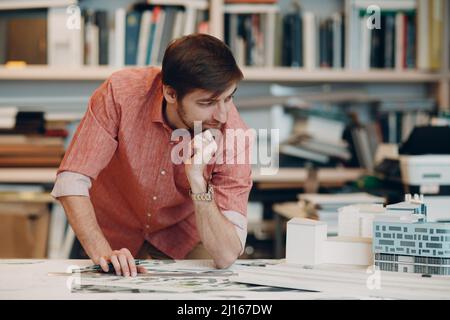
<point>190,125</point>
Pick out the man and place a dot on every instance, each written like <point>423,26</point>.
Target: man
<point>122,191</point>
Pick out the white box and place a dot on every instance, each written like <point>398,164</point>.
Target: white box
<point>348,250</point>
<point>425,170</point>
<point>305,241</point>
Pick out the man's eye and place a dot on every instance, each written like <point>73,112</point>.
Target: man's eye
<point>210,104</point>
<point>229,98</point>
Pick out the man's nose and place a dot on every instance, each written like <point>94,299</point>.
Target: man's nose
<point>221,113</point>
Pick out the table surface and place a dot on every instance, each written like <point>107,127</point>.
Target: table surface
<point>181,280</point>
<point>47,279</point>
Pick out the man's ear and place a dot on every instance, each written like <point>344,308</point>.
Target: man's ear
<point>169,94</point>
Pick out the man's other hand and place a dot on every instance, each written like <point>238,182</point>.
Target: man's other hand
<point>123,263</point>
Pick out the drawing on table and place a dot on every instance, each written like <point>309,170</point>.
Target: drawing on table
<point>202,279</point>
<point>197,285</point>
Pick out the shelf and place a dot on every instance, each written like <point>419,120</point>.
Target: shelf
<point>196,4</point>
<point>301,75</point>
<point>250,8</point>
<point>56,73</point>
<point>28,175</point>
<point>30,4</point>
<point>252,74</point>
<point>300,175</point>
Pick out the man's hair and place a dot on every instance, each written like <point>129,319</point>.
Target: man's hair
<point>199,61</point>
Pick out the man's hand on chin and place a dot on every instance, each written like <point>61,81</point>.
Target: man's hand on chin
<point>203,147</point>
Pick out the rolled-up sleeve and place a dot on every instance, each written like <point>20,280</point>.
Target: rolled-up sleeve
<point>240,225</point>
<point>71,184</point>
<point>95,140</point>
<point>232,182</point>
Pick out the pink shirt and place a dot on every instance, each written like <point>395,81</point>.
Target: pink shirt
<point>124,145</point>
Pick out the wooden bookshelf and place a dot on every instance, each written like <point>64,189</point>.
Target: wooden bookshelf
<point>30,4</point>
<point>285,74</point>
<point>253,74</point>
<point>439,80</point>
<point>28,175</point>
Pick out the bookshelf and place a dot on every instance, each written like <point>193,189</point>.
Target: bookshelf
<point>439,81</point>
<point>41,84</point>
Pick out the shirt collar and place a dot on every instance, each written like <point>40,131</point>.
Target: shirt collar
<point>156,114</point>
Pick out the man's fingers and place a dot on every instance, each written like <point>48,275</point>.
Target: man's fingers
<point>131,262</point>
<point>116,264</point>
<point>124,264</point>
<point>104,264</point>
<point>141,269</point>
<point>132,265</point>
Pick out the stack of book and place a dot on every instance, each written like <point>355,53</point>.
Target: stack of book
<point>23,151</point>
<point>317,139</point>
<point>327,205</point>
<point>27,142</point>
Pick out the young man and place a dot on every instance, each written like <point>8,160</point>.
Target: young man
<point>122,191</point>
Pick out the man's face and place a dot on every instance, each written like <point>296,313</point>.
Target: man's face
<point>200,105</point>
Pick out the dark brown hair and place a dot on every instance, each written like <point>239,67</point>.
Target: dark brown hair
<point>199,61</point>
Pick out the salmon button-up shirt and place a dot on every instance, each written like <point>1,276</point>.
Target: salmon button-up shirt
<point>121,151</point>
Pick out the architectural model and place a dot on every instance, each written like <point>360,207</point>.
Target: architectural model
<point>397,237</point>
<point>404,241</point>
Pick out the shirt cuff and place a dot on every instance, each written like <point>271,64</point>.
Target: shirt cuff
<point>240,223</point>
<point>70,183</point>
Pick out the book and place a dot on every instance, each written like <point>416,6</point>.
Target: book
<point>27,39</point>
<point>436,20</point>
<point>8,117</point>
<point>65,45</point>
<point>423,40</point>
<point>143,43</point>
<point>167,32</point>
<point>3,30</point>
<point>132,29</point>
<point>27,122</point>
<point>310,39</point>
<point>92,38</point>
<point>101,21</point>
<point>152,34</point>
<point>158,36</point>
<point>400,41</point>
<point>119,37</point>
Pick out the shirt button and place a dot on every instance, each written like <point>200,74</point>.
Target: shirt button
<point>163,172</point>
<point>147,226</point>
<point>155,197</point>
<point>149,214</point>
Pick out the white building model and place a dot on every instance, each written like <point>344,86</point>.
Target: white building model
<point>307,242</point>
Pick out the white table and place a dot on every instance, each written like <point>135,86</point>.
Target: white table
<point>30,279</point>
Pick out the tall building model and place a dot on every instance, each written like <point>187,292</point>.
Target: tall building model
<point>396,238</point>
<point>404,241</point>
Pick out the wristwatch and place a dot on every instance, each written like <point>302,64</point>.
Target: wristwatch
<point>203,196</point>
